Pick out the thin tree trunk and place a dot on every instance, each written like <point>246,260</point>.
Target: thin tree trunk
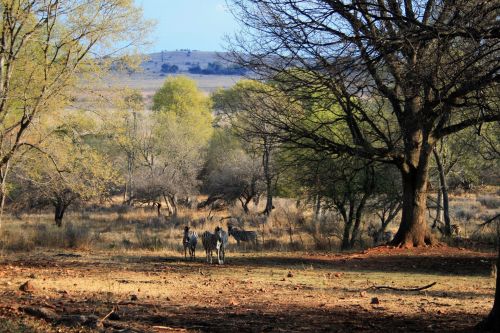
<point>348,220</point>
<point>317,214</point>
<point>437,220</point>
<point>357,220</point>
<point>444,191</point>
<point>60,208</point>
<point>492,322</point>
<point>3,190</point>
<point>269,179</point>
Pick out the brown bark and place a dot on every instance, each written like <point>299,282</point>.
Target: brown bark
<point>444,191</point>
<point>413,230</point>
<point>60,208</point>
<point>267,175</point>
<point>492,322</point>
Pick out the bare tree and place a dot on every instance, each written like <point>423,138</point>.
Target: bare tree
<point>395,77</point>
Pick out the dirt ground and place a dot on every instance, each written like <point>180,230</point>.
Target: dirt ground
<point>252,292</point>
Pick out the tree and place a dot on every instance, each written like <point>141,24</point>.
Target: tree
<point>404,75</point>
<point>232,173</point>
<point>242,104</point>
<point>47,48</point>
<point>123,127</point>
<point>62,169</point>
<point>173,143</point>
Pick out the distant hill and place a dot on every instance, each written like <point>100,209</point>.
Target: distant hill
<point>189,62</point>
<point>208,69</point>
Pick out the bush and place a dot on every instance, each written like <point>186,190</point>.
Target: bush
<point>489,201</point>
<point>19,243</point>
<point>146,240</point>
<point>78,236</point>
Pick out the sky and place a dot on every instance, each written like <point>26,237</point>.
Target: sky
<point>188,24</point>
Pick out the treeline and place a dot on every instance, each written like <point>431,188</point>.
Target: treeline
<point>215,68</point>
<point>223,147</point>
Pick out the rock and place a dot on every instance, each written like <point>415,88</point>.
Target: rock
<point>27,287</point>
<point>32,276</point>
<point>337,275</point>
<point>362,294</point>
<point>91,321</point>
<point>41,312</point>
<point>133,297</point>
<point>290,274</point>
<point>375,300</point>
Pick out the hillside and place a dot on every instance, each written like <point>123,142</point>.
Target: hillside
<point>152,77</point>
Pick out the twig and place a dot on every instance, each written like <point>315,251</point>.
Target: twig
<point>403,289</point>
<point>107,316</point>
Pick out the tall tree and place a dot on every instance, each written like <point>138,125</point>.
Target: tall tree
<point>173,143</point>
<point>47,48</point>
<point>404,74</point>
<point>242,104</point>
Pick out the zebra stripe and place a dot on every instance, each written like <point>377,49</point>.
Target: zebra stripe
<point>243,235</point>
<point>189,242</point>
<point>214,242</point>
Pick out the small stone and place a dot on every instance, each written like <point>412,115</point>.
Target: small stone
<point>375,300</point>
<point>32,276</point>
<point>290,274</point>
<point>27,287</point>
<point>133,297</point>
<point>362,294</point>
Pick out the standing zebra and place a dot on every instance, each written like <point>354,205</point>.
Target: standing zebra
<point>214,242</point>
<point>189,242</point>
<point>242,235</point>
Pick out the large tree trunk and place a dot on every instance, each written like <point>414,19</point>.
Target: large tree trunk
<point>492,322</point>
<point>413,230</point>
<point>444,191</point>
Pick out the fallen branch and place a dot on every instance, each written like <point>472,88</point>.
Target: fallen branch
<point>107,316</point>
<point>403,289</point>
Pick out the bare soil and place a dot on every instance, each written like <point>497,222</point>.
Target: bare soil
<point>252,292</point>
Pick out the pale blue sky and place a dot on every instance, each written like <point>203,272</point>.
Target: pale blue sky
<point>188,24</point>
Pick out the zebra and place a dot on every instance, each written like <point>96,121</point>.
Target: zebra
<point>379,237</point>
<point>189,242</point>
<point>214,242</point>
<point>242,235</point>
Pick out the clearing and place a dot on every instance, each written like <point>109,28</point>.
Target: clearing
<point>252,292</point>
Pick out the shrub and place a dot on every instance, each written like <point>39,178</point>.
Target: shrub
<point>489,201</point>
<point>145,240</point>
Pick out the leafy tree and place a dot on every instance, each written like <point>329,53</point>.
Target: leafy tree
<point>173,143</point>
<point>62,169</point>
<point>403,75</point>
<point>232,173</point>
<point>241,105</point>
<point>167,68</point>
<point>48,47</point>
